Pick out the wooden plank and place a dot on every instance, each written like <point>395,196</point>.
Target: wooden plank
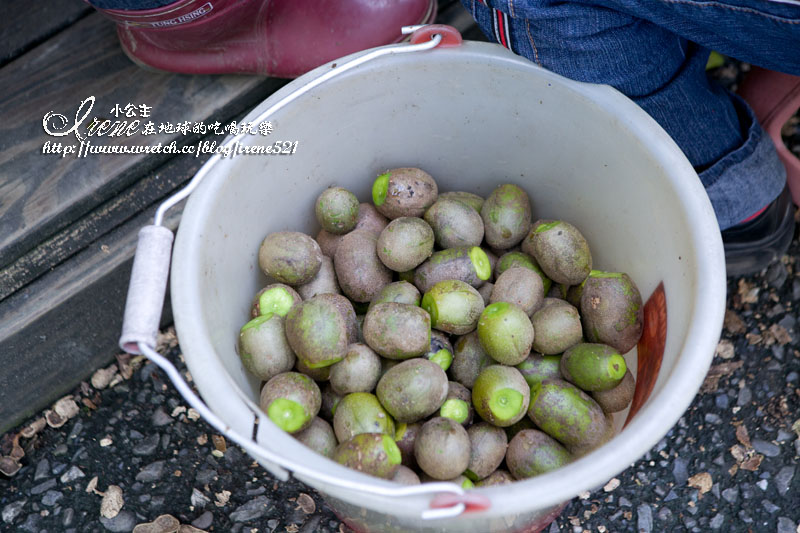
<point>42,193</point>
<point>154,186</point>
<point>26,24</point>
<point>57,330</point>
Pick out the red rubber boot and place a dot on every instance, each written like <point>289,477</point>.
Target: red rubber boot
<point>281,38</point>
<point>775,97</point>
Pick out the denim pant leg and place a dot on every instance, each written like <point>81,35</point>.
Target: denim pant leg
<point>662,72</point>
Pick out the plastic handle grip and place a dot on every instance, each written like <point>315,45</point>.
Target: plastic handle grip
<point>147,288</point>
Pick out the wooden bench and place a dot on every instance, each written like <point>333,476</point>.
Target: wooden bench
<point>68,225</point>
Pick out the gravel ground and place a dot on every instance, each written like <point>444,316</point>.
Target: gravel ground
<point>729,465</point>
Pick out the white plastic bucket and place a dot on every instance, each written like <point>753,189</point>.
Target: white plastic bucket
<point>474,117</point>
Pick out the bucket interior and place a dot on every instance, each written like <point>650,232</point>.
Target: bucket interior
<point>473,117</point>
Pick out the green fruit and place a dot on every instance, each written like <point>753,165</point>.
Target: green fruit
<point>566,413</point>
<point>357,372</point>
<point>397,331</point>
<point>612,311</point>
<point>560,250</point>
<point>619,398</point>
<point>347,312</point>
<point>263,347</point>
<point>360,272</point>
<point>469,358</point>
<point>317,374</point>
<point>488,445</point>
<point>521,260</point>
<point>593,367</point>
<point>405,436</point>
<point>506,215</point>
<point>317,332</point>
<point>361,412</point>
<point>521,287</point>
<point>337,210</point>
<point>401,292</point>
<point>557,328</point>
<point>375,454</point>
<point>442,448</point>
<point>498,477</point>
<point>406,476</point>
<point>323,283</point>
<point>404,192</point>
<point>330,400</point>
<point>532,452</point>
<point>290,257</point>
<point>441,351</point>
<point>276,298</point>
<point>454,306</point>
<point>472,200</point>
<point>537,368</point>
<point>458,405</point>
<point>319,437</point>
<point>291,400</point>
<point>506,333</point>
<point>468,264</point>
<point>405,243</point>
<point>412,390</point>
<point>454,224</point>
<point>501,395</point>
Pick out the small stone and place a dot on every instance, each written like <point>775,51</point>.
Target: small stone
<point>625,502</point>
<point>123,522</point>
<point>31,523</point>
<point>306,503</point>
<point>255,508</point>
<point>769,506</point>
<point>42,487</point>
<point>725,349</point>
<point>611,485</point>
<point>204,520</point>
<point>42,470</point>
<point>785,525</point>
<point>112,502</point>
<point>147,446</point>
<point>766,448</point>
<point>745,396</point>
<point>670,496</point>
<point>644,521</point>
<point>721,401</point>
<point>106,441</point>
<point>664,514</point>
<point>51,497</point>
<point>12,511</point>
<point>784,435</point>
<point>701,481</point>
<point>762,484</point>
<point>712,418</point>
<point>680,470</point>
<point>71,475</point>
<point>151,472</point>
<point>204,477</point>
<point>792,376</point>
<point>783,479</point>
<point>163,524</point>
<point>717,521</point>
<point>161,418</point>
<point>199,500</point>
<point>730,495</point>
<point>67,517</point>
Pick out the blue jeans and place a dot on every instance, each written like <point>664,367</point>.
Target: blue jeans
<point>655,52</point>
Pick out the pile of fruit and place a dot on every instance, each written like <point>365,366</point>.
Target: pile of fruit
<point>433,336</point>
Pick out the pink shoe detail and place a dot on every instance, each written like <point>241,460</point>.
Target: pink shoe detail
<point>775,97</point>
<point>282,38</point>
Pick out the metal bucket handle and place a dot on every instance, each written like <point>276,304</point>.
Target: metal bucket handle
<point>148,285</point>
